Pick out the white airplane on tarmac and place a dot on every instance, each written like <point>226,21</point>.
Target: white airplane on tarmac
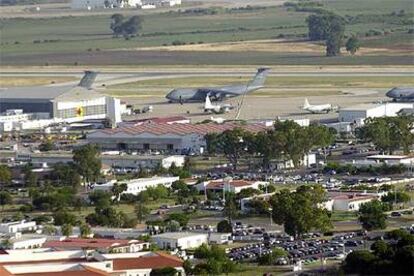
<point>218,109</point>
<point>320,108</point>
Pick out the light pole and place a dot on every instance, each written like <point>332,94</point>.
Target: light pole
<point>271,219</point>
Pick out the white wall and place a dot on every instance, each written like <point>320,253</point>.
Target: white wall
<point>192,241</point>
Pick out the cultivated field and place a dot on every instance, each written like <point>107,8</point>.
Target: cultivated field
<point>259,35</point>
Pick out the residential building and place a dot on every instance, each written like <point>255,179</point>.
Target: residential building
<point>180,240</point>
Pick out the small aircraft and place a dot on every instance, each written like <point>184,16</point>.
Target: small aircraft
<point>217,120</point>
<point>321,108</point>
<point>218,109</point>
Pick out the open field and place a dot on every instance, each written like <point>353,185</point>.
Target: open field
<point>84,40</point>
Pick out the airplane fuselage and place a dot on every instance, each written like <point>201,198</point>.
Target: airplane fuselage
<point>401,94</point>
<point>215,93</point>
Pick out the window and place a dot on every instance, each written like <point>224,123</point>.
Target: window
<point>170,147</point>
<point>146,146</point>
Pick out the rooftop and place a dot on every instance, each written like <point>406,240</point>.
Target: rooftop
<point>178,129</point>
<point>178,235</point>
<point>88,243</point>
<point>234,183</point>
<point>158,260</point>
<point>49,93</point>
<point>389,157</point>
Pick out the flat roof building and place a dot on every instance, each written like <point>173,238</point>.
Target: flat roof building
<point>180,240</point>
<point>361,112</point>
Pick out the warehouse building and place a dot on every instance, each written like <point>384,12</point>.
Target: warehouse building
<point>361,112</point>
<point>171,138</point>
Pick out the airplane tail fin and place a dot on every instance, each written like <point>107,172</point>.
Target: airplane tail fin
<point>207,104</point>
<point>260,78</point>
<point>88,79</point>
<point>306,104</point>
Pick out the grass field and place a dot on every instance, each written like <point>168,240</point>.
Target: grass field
<point>85,39</point>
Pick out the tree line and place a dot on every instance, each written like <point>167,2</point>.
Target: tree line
<point>286,140</point>
<point>125,27</point>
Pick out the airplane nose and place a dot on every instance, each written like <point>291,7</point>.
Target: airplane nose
<point>171,95</point>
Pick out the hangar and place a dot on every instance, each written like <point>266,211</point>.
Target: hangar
<point>68,103</point>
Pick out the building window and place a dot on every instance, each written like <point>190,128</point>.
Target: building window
<point>170,147</point>
<point>146,146</point>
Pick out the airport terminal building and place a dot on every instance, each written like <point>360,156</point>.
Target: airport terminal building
<point>65,103</point>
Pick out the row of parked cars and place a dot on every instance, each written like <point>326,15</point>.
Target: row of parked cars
<point>305,250</point>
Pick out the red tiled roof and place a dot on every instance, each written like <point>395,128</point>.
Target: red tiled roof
<point>65,273</point>
<point>70,260</point>
<point>182,129</point>
<point>234,183</point>
<point>88,243</point>
<point>159,260</point>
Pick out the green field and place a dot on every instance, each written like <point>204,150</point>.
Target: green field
<point>84,39</point>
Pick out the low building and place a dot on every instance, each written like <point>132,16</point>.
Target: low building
<point>180,240</point>
<point>163,137</point>
<point>350,202</point>
<point>233,186</point>
<point>285,164</point>
<point>100,245</point>
<point>81,262</point>
<point>364,111</point>
<point>17,226</point>
<point>25,241</point>
<point>392,159</point>
<point>219,238</point>
<point>135,186</point>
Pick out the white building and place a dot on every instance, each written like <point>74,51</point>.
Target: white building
<point>284,164</point>
<point>245,202</point>
<point>219,238</point>
<point>350,202</point>
<point>180,240</point>
<point>17,226</point>
<point>392,159</point>
<point>364,111</point>
<point>46,262</point>
<point>19,241</point>
<point>135,186</point>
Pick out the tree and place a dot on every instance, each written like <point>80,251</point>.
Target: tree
<point>397,197</point>
<point>318,27</point>
<point>359,262</point>
<point>100,199</point>
<point>116,24</point>
<point>230,207</point>
<point>66,229</point>
<point>30,178</point>
<point>270,258</point>
<point>231,143</point>
<point>85,230</point>
<point>224,226</point>
<point>46,146</point>
<point>165,271</point>
<point>141,211</point>
<point>300,211</point>
<point>334,36</point>
<point>63,217</point>
<point>388,133</point>
<point>372,216</point>
<point>181,218</point>
<point>382,249</point>
<point>118,189</point>
<point>49,229</point>
<point>87,162</point>
<point>66,174</point>
<point>352,45</point>
<point>5,174</point>
<point>5,198</point>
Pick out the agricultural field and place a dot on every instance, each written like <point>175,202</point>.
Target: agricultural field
<point>82,40</point>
